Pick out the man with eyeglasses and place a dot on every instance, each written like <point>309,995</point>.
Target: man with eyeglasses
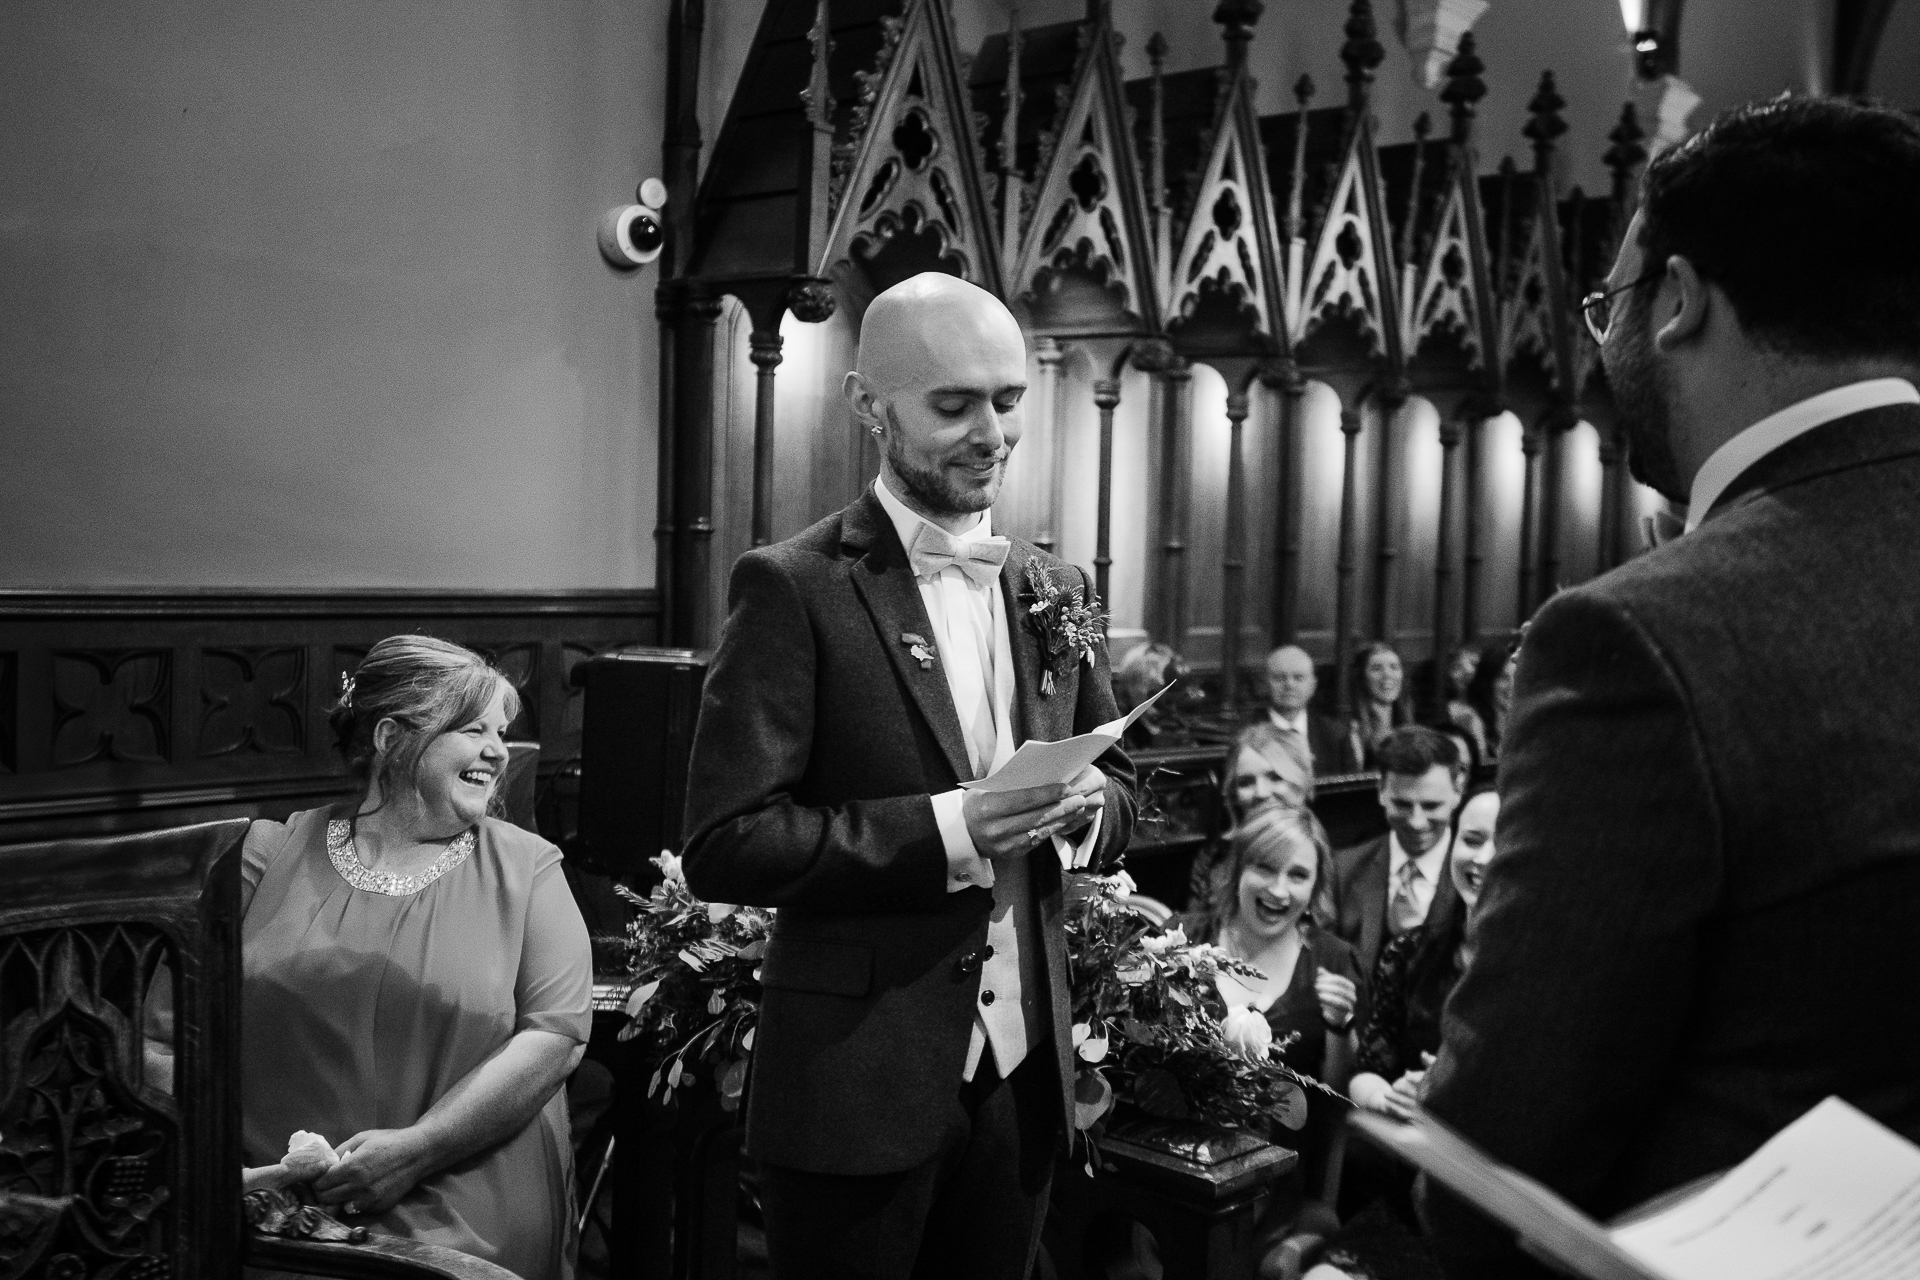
<point>1698,923</point>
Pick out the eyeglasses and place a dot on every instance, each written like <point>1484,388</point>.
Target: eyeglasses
<point>1597,307</point>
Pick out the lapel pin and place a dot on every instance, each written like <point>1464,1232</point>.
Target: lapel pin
<point>920,649</point>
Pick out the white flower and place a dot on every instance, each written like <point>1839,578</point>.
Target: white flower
<point>1093,1049</point>
<point>718,911</point>
<point>308,1156</point>
<point>669,864</point>
<point>1246,1032</point>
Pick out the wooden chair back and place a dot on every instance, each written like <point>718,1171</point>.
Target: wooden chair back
<point>106,1165</point>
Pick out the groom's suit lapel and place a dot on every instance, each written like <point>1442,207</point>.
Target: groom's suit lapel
<point>1045,719</point>
<point>883,579</point>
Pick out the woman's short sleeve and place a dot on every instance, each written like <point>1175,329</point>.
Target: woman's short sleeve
<point>554,991</point>
<point>265,839</point>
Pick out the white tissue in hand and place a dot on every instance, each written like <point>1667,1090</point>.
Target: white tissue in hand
<point>308,1156</point>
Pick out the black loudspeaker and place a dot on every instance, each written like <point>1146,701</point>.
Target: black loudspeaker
<point>635,743</point>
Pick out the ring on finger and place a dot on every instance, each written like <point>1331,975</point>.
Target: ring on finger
<point>1035,835</point>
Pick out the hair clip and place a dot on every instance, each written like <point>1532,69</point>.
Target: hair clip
<point>346,689</point>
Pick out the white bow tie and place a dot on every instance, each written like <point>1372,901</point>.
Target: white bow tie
<point>935,549</point>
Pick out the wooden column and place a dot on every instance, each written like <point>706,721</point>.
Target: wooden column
<point>1443,641</point>
<point>1344,566</point>
<point>1293,488</point>
<point>693,474</point>
<point>1553,485</point>
<point>1233,565</point>
<point>1529,513</point>
<point>1176,500</point>
<point>765,354</point>
<point>668,301</point>
<point>1609,537</point>
<point>1047,352</point>
<point>1106,397</point>
<point>1473,551</point>
<point>1387,509</point>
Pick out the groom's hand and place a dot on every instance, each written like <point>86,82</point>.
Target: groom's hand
<point>1012,824</point>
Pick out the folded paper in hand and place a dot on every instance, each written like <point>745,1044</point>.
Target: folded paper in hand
<point>1833,1196</point>
<point>1041,764</point>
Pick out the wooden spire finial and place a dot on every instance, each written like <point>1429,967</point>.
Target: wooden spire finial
<point>1362,51</point>
<point>1627,153</point>
<point>1236,19</point>
<point>1464,88</point>
<point>1296,219</point>
<point>1546,125</point>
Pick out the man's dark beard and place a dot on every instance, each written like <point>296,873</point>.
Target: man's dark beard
<point>1639,388</point>
<point>933,489</point>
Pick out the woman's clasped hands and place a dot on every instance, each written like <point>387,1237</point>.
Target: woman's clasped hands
<point>377,1167</point>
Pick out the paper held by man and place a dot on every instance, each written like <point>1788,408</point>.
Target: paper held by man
<point>1833,1196</point>
<point>1040,764</point>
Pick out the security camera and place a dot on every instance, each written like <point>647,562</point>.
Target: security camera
<point>633,235</point>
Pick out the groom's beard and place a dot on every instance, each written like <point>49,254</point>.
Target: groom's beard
<point>1640,398</point>
<point>934,489</point>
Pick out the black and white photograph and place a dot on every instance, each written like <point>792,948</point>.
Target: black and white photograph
<point>959,639</point>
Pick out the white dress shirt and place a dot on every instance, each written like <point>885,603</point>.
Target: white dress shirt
<point>1426,884</point>
<point>1298,724</point>
<point>1726,463</point>
<point>970,632</point>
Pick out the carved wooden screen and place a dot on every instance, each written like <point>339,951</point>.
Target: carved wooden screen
<point>114,1160</point>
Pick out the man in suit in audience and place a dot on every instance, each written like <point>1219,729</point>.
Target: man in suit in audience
<point>1291,682</point>
<point>912,1076</point>
<point>1699,921</point>
<point>1391,884</point>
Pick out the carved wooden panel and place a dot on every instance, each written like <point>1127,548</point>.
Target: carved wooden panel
<point>80,1129</point>
<point>1347,277</point>
<point>1228,250</point>
<point>253,699</point>
<point>1448,300</point>
<point>111,704</point>
<point>129,711</point>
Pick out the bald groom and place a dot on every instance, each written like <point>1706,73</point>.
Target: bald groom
<point>912,1069</point>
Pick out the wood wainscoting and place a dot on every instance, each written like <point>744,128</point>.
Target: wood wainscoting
<point>130,710</point>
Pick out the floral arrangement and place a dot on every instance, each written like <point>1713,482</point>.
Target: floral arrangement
<point>1068,626</point>
<point>1148,1026</point>
<point>695,968</point>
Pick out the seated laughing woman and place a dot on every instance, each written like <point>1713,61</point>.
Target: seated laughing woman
<point>1311,991</point>
<point>418,980</point>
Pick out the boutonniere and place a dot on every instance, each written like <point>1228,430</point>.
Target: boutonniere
<point>1068,626</point>
<point>921,649</point>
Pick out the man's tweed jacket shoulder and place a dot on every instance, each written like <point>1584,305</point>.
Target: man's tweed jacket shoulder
<point>820,741</point>
<point>1700,918</point>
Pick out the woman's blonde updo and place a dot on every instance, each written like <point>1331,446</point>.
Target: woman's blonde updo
<point>426,687</point>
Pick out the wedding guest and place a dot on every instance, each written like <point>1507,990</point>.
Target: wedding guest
<point>417,979</point>
<point>1267,913</point>
<point>1291,684</point>
<point>912,1070</point>
<point>1490,693</point>
<point>1145,672</point>
<point>1391,884</point>
<point>1377,692</point>
<point>1709,859</point>
<point>1461,667</point>
<point>1263,766</point>
<point>1416,972</point>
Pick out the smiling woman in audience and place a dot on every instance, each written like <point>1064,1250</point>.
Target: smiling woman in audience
<point>1311,989</point>
<point>1377,691</point>
<point>417,976</point>
<point>1264,766</point>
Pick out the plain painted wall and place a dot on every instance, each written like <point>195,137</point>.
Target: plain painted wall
<point>306,294</point>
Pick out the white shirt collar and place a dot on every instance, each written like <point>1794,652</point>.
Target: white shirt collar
<point>907,521</point>
<point>1428,862</point>
<point>1726,463</point>
<point>1296,722</point>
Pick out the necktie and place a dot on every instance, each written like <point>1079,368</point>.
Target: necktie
<point>1404,911</point>
<point>935,549</point>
